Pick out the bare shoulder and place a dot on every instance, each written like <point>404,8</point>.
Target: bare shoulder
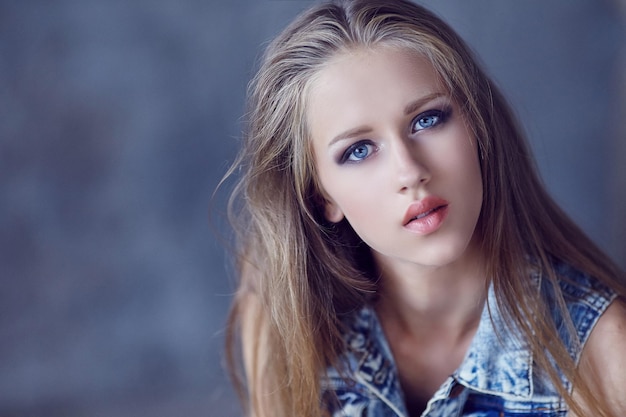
<point>603,359</point>
<point>607,342</point>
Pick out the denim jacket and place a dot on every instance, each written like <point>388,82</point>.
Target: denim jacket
<point>496,378</point>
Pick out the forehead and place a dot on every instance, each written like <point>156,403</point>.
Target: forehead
<point>361,85</point>
<point>365,64</point>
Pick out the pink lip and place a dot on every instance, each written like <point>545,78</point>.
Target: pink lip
<point>426,216</point>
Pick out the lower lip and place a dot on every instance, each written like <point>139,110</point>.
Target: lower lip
<point>428,224</point>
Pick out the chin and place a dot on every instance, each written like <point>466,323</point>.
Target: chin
<point>444,255</point>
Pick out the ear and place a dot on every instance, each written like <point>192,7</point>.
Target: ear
<point>332,211</point>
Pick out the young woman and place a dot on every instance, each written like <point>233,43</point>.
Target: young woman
<point>398,253</point>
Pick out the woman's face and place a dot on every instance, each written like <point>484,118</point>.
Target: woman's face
<point>395,157</point>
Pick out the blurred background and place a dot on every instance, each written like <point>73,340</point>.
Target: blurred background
<point>117,120</point>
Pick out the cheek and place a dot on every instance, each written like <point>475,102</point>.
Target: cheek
<point>471,179</point>
<point>358,199</point>
<point>470,170</point>
<point>466,160</point>
<point>460,164</point>
<point>474,169</point>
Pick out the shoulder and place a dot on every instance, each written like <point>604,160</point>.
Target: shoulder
<point>364,381</point>
<point>599,317</point>
<point>603,358</point>
<point>578,286</point>
<point>586,299</point>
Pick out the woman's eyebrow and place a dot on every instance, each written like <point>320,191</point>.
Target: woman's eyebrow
<point>416,104</point>
<point>361,130</point>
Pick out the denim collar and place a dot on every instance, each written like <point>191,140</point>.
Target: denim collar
<point>497,361</point>
<point>371,360</point>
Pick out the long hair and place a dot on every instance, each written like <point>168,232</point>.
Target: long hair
<point>299,274</point>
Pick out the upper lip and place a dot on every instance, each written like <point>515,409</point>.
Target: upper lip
<point>422,207</point>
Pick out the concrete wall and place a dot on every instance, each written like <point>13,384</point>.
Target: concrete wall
<point>117,120</point>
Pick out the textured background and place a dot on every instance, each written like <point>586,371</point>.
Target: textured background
<point>117,119</point>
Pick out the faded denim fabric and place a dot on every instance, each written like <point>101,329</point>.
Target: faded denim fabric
<point>496,379</point>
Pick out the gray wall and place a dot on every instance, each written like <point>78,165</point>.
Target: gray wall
<point>117,119</point>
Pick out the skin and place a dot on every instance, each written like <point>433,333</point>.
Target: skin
<point>603,359</point>
<point>374,159</point>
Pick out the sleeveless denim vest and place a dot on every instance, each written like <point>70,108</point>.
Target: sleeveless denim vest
<point>497,378</point>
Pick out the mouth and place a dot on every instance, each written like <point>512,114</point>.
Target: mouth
<point>426,216</point>
<point>426,213</point>
<point>423,208</point>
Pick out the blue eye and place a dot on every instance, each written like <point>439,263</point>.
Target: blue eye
<point>358,152</point>
<point>428,119</point>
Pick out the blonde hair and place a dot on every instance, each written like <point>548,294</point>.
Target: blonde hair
<point>300,275</point>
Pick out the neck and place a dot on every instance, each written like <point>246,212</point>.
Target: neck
<point>445,301</point>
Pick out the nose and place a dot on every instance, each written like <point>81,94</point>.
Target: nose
<point>409,166</point>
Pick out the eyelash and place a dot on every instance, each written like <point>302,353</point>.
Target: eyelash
<point>345,157</point>
<point>440,115</point>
